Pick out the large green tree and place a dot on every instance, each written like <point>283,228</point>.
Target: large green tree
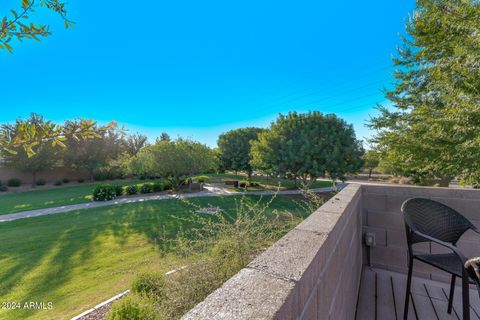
<point>174,160</point>
<point>45,157</point>
<point>308,146</point>
<point>432,129</point>
<point>234,147</point>
<point>371,160</point>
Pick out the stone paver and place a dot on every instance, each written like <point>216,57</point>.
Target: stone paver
<point>210,191</point>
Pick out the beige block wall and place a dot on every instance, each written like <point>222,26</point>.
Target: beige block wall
<point>313,272</point>
<point>381,215</point>
<point>50,176</point>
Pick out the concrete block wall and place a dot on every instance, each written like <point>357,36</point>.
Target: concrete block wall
<point>313,272</point>
<point>381,215</point>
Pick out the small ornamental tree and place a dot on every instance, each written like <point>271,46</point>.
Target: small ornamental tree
<point>308,146</point>
<point>234,148</point>
<point>176,161</point>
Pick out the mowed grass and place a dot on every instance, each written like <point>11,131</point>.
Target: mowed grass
<point>49,198</point>
<point>76,260</point>
<point>268,181</point>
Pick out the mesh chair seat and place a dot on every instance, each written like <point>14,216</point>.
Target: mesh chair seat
<point>448,262</point>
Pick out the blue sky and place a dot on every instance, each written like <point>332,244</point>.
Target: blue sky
<point>196,69</point>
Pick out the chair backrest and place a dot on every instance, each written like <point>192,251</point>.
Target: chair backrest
<point>435,220</point>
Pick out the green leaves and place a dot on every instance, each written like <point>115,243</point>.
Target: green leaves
<point>432,131</point>
<point>12,27</point>
<point>308,145</point>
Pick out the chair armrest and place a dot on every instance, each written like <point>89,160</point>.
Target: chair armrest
<point>444,244</point>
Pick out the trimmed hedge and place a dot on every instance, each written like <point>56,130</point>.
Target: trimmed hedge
<point>40,182</point>
<point>146,188</point>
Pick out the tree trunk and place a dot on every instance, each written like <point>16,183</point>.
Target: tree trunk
<point>34,179</point>
<point>370,174</point>
<point>90,172</point>
<point>249,174</point>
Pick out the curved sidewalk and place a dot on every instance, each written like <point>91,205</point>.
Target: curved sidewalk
<point>210,192</point>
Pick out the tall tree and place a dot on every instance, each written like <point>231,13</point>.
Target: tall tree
<point>234,147</point>
<point>308,146</point>
<point>95,153</point>
<point>18,24</point>
<point>45,157</point>
<point>432,132</point>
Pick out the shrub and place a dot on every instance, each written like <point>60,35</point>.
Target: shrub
<point>133,189</point>
<point>157,187</point>
<point>40,182</point>
<point>118,190</point>
<point>14,182</point>
<point>254,184</point>
<point>167,185</point>
<point>133,308</point>
<point>201,179</point>
<point>103,192</point>
<point>58,183</point>
<point>65,180</point>
<point>243,184</point>
<point>80,180</point>
<point>150,284</point>
<point>3,188</point>
<point>146,188</point>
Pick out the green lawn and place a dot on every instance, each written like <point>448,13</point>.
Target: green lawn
<point>78,259</point>
<point>48,198</point>
<point>289,184</point>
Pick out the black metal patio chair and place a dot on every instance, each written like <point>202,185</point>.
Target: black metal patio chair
<point>430,221</point>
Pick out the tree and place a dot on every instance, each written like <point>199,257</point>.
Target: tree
<point>163,137</point>
<point>432,132</point>
<point>308,146</point>
<point>134,143</point>
<point>18,24</point>
<point>28,135</point>
<point>95,153</point>
<point>176,161</point>
<point>371,161</point>
<point>45,157</point>
<point>234,147</point>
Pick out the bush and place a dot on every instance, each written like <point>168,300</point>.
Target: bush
<point>80,180</point>
<point>65,180</point>
<point>157,187</point>
<point>167,185</point>
<point>3,188</point>
<point>100,176</point>
<point>254,184</point>
<point>133,189</point>
<point>14,182</point>
<point>133,308</point>
<point>201,179</point>
<point>58,183</point>
<point>103,193</point>
<point>146,188</point>
<point>243,184</point>
<point>118,190</point>
<point>150,284</point>
<point>40,182</point>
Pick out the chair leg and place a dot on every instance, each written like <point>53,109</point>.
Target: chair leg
<point>465,296</point>
<point>409,284</point>
<point>452,292</point>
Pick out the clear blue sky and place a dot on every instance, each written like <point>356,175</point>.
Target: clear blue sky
<point>198,68</point>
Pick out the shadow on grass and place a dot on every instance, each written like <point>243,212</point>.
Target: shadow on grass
<point>52,257</point>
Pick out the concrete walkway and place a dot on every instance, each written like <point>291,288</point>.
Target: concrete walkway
<point>210,191</point>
